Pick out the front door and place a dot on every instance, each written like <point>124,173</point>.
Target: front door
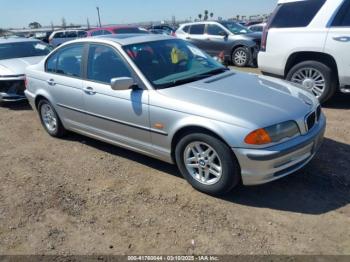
<point>119,116</point>
<point>217,40</point>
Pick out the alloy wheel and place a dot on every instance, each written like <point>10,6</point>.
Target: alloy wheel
<point>203,163</point>
<point>49,117</point>
<point>312,79</point>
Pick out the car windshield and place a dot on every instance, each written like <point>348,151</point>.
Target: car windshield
<point>130,30</point>
<point>169,63</point>
<point>236,29</point>
<point>23,49</point>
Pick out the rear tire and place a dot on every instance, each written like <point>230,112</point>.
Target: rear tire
<point>212,169</point>
<point>241,56</point>
<point>316,77</point>
<point>50,119</point>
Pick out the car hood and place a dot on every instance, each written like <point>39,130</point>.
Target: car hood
<point>247,100</point>
<point>17,66</point>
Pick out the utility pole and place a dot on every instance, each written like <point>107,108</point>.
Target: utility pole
<point>99,18</point>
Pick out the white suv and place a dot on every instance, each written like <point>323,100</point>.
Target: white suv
<point>308,42</point>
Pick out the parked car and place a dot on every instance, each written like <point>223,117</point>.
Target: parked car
<point>57,38</point>
<point>163,97</point>
<point>43,36</point>
<point>239,44</point>
<point>161,29</point>
<point>117,30</point>
<point>257,27</point>
<point>308,43</point>
<point>15,55</point>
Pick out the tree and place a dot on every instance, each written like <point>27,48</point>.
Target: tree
<point>200,16</point>
<point>211,15</point>
<point>34,25</point>
<point>64,23</point>
<point>206,12</point>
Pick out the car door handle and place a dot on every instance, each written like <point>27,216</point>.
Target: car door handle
<point>51,82</point>
<point>342,39</point>
<point>89,90</point>
<point>188,37</point>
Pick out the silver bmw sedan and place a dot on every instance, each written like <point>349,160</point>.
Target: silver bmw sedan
<point>163,97</point>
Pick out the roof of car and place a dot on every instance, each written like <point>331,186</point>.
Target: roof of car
<point>127,39</point>
<point>17,40</point>
<point>113,27</point>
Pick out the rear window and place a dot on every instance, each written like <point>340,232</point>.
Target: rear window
<point>197,29</point>
<point>23,49</point>
<point>296,14</point>
<point>131,30</point>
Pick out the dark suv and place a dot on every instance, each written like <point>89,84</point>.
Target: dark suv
<point>237,43</point>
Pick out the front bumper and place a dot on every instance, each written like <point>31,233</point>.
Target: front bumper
<point>259,166</point>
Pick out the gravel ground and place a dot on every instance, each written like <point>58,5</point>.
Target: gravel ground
<point>80,196</point>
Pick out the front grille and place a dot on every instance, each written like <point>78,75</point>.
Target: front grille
<point>311,121</point>
<point>15,87</point>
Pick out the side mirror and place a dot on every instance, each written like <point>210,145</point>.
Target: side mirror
<point>122,83</point>
<point>224,34</point>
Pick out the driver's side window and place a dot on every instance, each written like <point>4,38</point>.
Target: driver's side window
<point>215,30</point>
<point>104,64</point>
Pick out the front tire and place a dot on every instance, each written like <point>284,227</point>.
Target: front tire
<point>207,163</point>
<point>316,77</point>
<point>241,56</point>
<point>50,120</point>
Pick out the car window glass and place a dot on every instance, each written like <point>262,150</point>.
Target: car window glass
<point>51,63</point>
<point>186,28</point>
<point>104,64</point>
<point>130,30</point>
<point>296,14</point>
<point>197,29</point>
<point>68,61</point>
<point>82,34</point>
<point>105,32</point>
<point>71,34</point>
<point>96,33</point>
<point>214,30</point>
<point>59,35</point>
<point>343,16</point>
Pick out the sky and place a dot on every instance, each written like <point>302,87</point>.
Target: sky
<point>19,13</point>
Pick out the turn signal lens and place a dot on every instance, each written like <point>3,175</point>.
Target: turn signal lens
<point>258,137</point>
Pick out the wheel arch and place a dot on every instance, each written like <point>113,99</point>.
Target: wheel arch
<point>303,56</point>
<point>188,129</point>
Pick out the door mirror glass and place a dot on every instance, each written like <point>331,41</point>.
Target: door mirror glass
<point>122,83</point>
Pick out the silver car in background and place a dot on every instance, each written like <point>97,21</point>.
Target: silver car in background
<point>15,55</point>
<point>165,98</point>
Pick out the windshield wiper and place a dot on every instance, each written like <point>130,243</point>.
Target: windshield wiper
<point>195,78</point>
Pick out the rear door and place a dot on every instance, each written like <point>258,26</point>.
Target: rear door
<point>120,116</point>
<point>64,83</point>
<point>196,35</point>
<point>338,42</point>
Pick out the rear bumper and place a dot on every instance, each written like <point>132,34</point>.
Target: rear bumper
<point>271,64</point>
<point>259,166</point>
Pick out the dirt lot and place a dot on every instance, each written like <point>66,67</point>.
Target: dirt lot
<point>80,196</point>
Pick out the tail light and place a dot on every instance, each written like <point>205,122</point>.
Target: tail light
<point>173,33</point>
<point>264,39</point>
<point>25,82</point>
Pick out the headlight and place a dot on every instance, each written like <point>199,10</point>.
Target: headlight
<point>272,134</point>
